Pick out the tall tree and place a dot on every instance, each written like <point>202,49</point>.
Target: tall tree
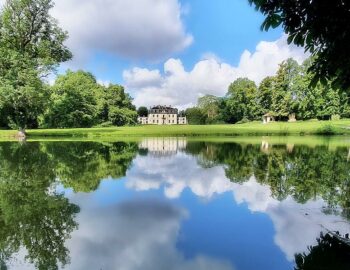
<point>241,100</point>
<point>283,98</point>
<point>73,101</point>
<point>117,106</point>
<point>195,116</point>
<point>142,111</point>
<point>264,95</point>
<point>31,46</point>
<point>322,27</point>
<point>209,104</point>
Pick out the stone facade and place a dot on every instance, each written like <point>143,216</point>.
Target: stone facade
<point>182,120</point>
<point>162,115</point>
<point>143,120</point>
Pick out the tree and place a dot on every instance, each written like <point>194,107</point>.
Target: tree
<point>23,97</point>
<point>209,104</point>
<point>283,98</point>
<point>77,100</point>
<point>195,116</point>
<point>31,46</point>
<point>73,101</point>
<point>241,100</point>
<point>116,105</point>
<point>264,95</point>
<point>322,27</point>
<point>142,111</point>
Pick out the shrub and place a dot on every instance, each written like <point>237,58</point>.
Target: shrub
<point>105,124</point>
<point>243,121</point>
<point>326,130</point>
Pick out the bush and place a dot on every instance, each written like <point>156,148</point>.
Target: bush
<point>105,124</point>
<point>243,121</point>
<point>326,130</point>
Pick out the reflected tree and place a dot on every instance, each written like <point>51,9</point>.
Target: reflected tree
<point>328,254</point>
<point>304,173</point>
<point>32,214</point>
<point>82,165</point>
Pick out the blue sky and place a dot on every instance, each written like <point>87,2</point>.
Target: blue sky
<point>171,51</point>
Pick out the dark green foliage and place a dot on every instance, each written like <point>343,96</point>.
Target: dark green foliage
<point>241,101</point>
<point>142,111</point>
<point>322,27</point>
<point>72,101</point>
<point>195,116</point>
<point>329,254</point>
<point>209,105</point>
<point>115,106</point>
<point>327,130</point>
<point>77,100</point>
<point>31,46</point>
<point>288,92</point>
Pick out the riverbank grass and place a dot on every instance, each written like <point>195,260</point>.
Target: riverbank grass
<point>339,127</point>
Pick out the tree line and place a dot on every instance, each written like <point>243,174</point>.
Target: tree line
<point>31,49</point>
<point>289,91</point>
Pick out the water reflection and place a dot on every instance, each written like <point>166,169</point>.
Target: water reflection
<point>82,165</point>
<point>181,204</point>
<point>302,172</point>
<point>162,146</point>
<point>32,215</point>
<point>329,253</point>
<point>134,234</point>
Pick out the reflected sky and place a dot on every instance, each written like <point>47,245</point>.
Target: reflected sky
<point>169,211</point>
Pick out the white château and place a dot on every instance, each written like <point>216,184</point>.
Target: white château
<point>162,115</point>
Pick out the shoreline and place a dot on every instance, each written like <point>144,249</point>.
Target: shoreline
<point>301,128</point>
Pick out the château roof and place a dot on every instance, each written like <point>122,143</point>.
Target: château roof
<point>163,109</point>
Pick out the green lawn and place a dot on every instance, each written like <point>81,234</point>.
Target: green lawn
<point>340,127</point>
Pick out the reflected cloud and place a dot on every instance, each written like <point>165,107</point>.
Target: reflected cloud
<point>176,174</point>
<point>297,225</point>
<point>138,234</point>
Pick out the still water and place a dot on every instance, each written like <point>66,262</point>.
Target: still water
<point>174,203</point>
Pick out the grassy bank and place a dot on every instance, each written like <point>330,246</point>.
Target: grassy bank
<point>341,127</point>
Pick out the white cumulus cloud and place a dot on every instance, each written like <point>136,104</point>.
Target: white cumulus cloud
<point>176,86</point>
<point>143,29</point>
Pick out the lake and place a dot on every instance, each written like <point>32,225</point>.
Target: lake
<point>175,203</point>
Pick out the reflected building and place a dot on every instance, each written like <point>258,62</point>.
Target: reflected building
<point>163,146</point>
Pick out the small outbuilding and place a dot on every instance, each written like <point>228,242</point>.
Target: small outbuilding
<point>267,118</point>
